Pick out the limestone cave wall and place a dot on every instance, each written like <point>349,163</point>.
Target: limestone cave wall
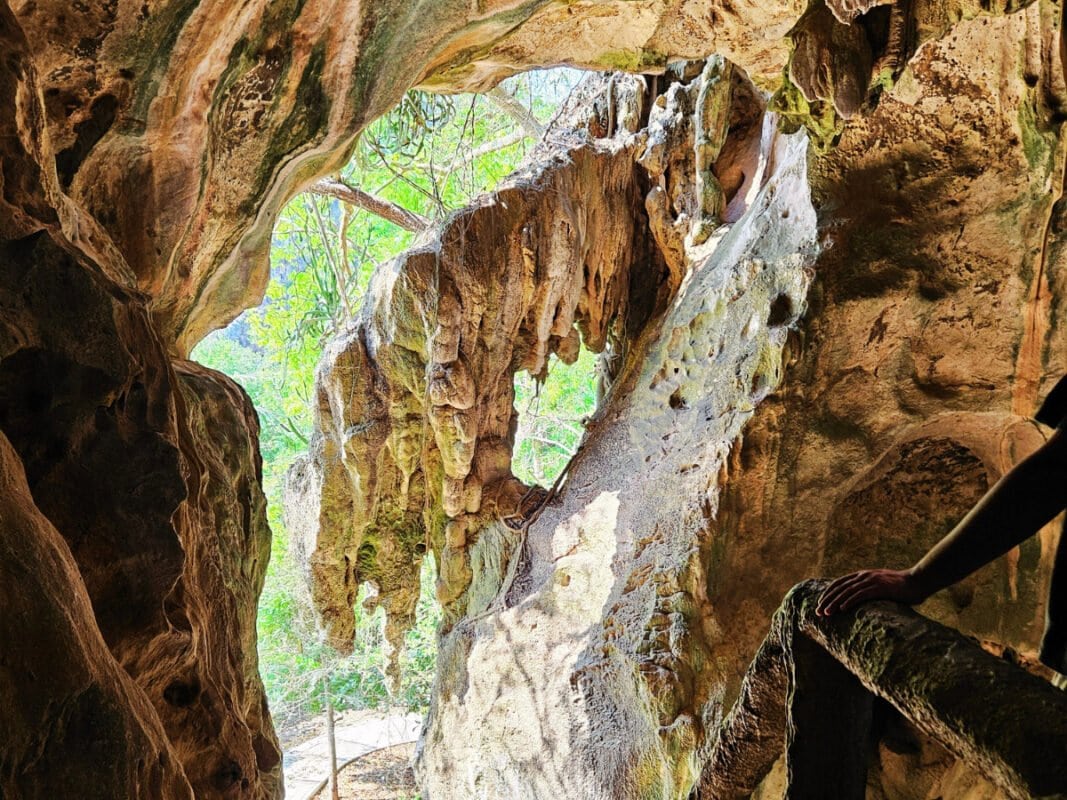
<point>838,353</point>
<point>823,267</point>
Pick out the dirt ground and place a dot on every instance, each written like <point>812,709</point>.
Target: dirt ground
<point>382,775</point>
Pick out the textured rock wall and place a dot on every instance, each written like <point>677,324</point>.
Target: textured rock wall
<point>932,334</point>
<point>759,431</point>
<point>80,717</point>
<point>934,330</point>
<point>129,663</point>
<point>756,431</point>
<point>182,126</point>
<point>144,150</point>
<point>151,475</point>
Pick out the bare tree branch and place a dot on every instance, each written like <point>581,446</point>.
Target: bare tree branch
<point>338,275</point>
<point>462,163</point>
<point>346,193</point>
<point>517,111</point>
<point>548,443</point>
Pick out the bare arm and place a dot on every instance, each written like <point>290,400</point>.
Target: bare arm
<point>1020,504</point>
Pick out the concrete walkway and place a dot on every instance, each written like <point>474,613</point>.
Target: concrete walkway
<point>307,765</point>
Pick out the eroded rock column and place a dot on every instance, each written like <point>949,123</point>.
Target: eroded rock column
<point>136,528</point>
<point>575,628</point>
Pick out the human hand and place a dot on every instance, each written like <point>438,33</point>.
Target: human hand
<point>870,584</point>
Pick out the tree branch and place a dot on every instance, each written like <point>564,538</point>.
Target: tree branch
<point>548,443</point>
<point>462,163</point>
<point>517,111</point>
<point>408,220</point>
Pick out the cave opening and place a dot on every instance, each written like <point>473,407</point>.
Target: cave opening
<point>412,168</point>
<point>552,411</point>
<point>825,270</point>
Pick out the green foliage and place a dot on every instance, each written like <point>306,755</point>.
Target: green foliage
<point>294,659</point>
<point>465,145</point>
<point>407,129</point>
<point>431,156</point>
<point>551,417</point>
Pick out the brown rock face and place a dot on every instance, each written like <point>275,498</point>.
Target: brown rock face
<point>149,471</point>
<point>157,496</point>
<point>71,714</point>
<point>826,382</point>
<point>936,261</point>
<point>757,432</point>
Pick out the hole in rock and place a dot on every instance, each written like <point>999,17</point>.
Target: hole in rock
<point>551,417</point>
<point>424,160</point>
<point>781,312</point>
<point>87,133</point>
<point>267,755</point>
<point>182,694</point>
<point>227,775</point>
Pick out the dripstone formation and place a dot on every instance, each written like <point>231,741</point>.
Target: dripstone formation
<point>819,249</point>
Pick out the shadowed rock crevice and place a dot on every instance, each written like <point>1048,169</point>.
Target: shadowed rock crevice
<point>83,715</point>
<point>929,673</point>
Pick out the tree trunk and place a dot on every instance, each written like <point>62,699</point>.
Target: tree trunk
<point>330,738</point>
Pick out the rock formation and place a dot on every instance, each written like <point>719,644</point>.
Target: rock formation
<point>825,382</point>
<point>756,433</point>
<point>415,401</point>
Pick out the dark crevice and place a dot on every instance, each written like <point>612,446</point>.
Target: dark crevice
<point>88,133</point>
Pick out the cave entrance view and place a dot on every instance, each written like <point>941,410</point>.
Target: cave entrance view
<point>357,375</point>
<point>430,156</point>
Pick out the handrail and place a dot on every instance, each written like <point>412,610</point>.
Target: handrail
<point>810,687</point>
